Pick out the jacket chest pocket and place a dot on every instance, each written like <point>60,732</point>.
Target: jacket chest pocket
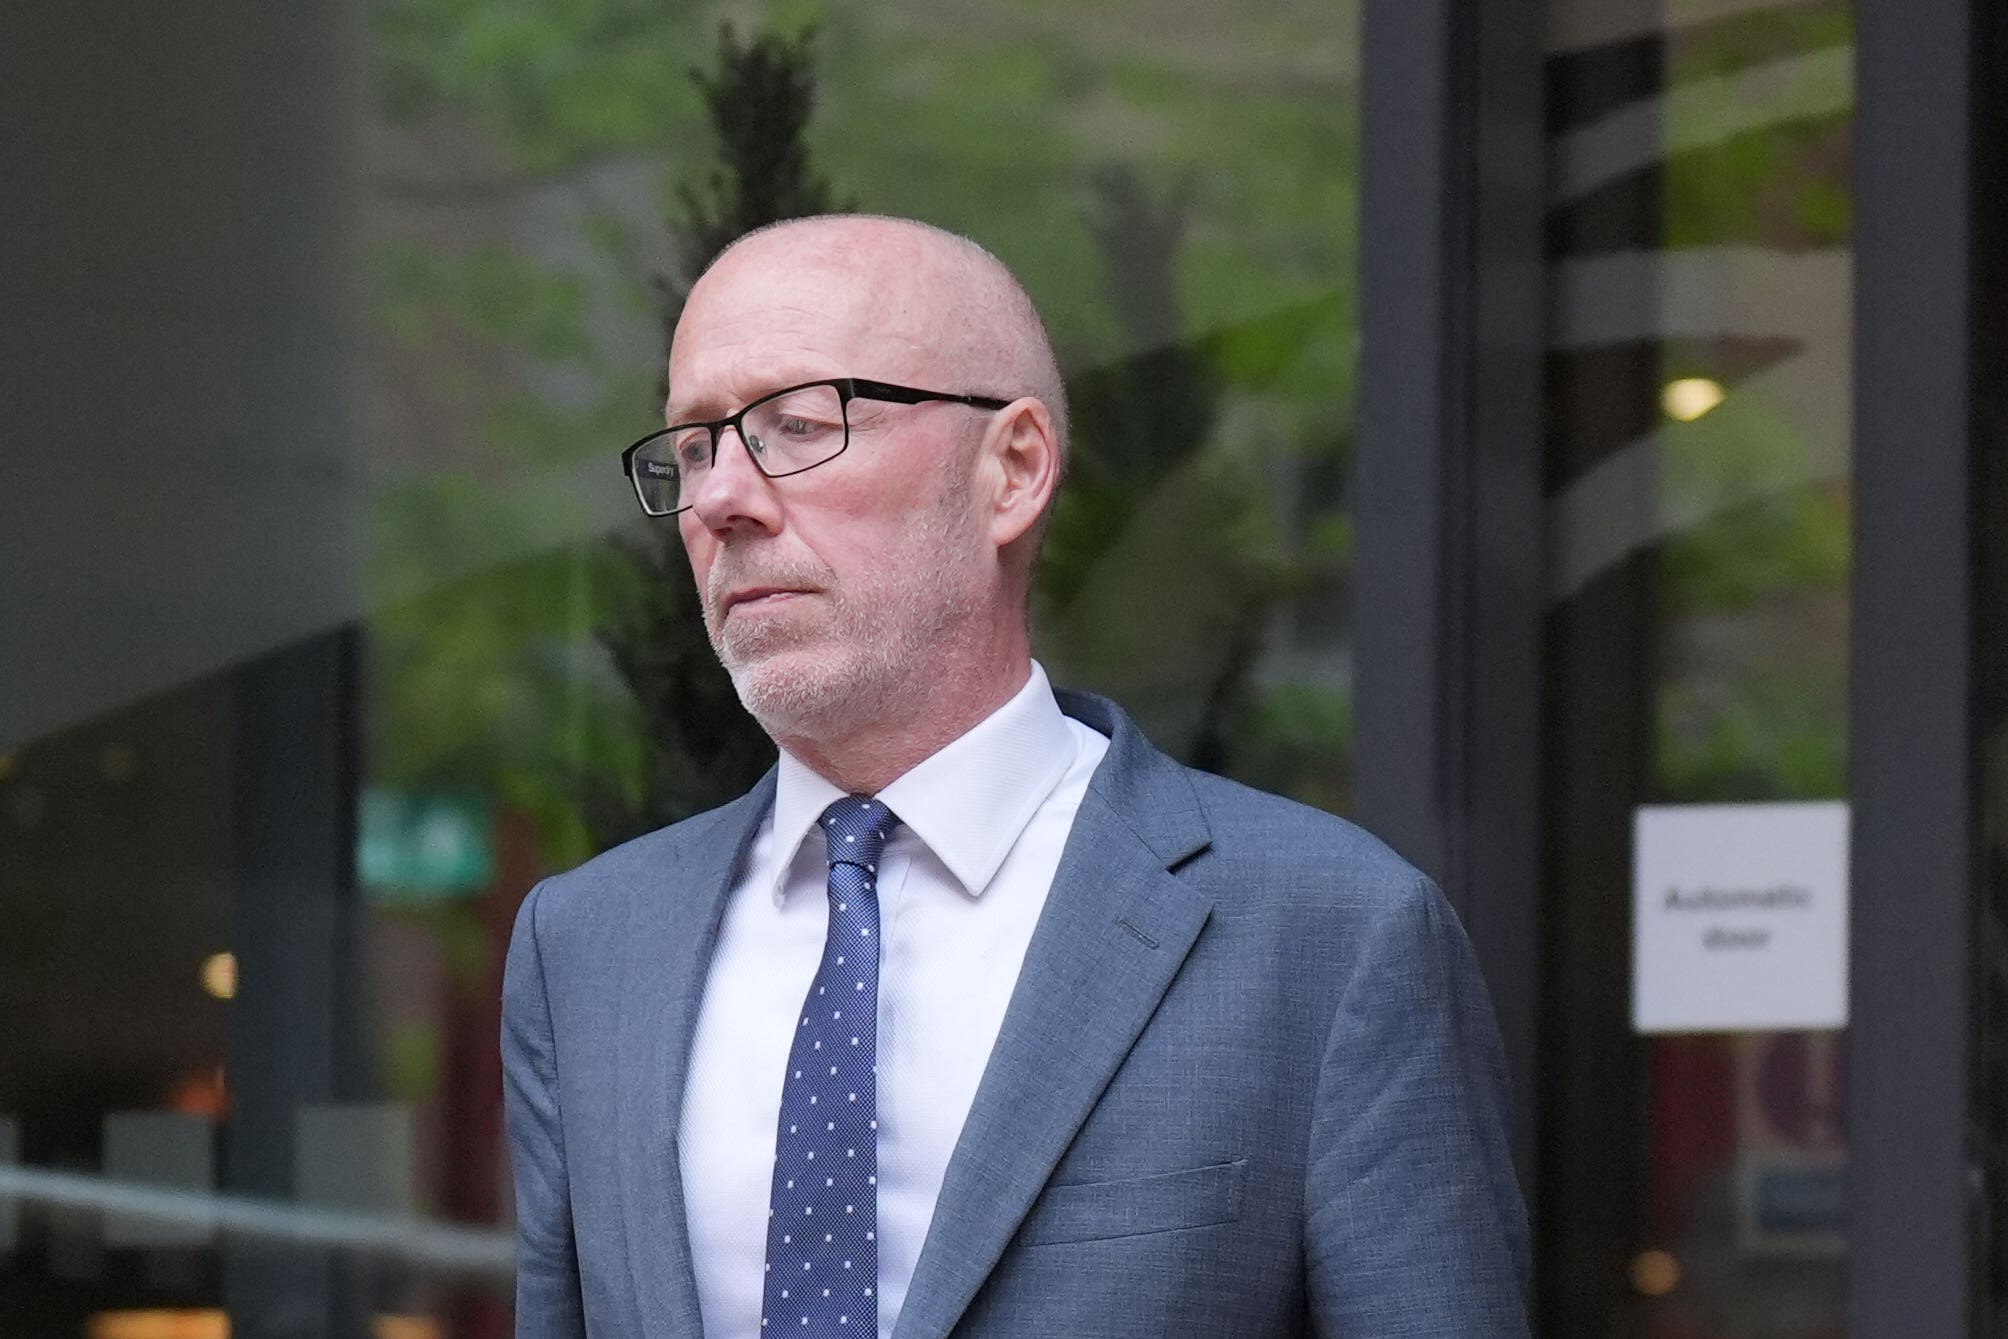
<point>1103,1210</point>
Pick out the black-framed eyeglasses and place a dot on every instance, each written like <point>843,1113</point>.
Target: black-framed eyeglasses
<point>789,431</point>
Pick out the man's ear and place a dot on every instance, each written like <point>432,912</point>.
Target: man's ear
<point>1025,452</point>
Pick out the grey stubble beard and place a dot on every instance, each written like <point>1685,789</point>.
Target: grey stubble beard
<point>887,644</point>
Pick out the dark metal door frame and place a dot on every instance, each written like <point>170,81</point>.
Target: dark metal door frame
<point>1928,240</point>
<point>1448,492</point>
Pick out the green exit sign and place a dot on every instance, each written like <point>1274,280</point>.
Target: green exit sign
<point>424,846</point>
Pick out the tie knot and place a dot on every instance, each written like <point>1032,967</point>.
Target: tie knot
<point>856,829</point>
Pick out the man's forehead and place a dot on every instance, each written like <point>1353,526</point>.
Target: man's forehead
<point>848,259</point>
<point>767,322</point>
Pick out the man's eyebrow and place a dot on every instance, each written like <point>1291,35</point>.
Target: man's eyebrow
<point>690,413</point>
<point>703,408</point>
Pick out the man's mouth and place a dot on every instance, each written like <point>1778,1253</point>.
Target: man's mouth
<point>761,597</point>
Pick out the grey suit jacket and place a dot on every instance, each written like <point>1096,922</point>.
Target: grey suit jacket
<point>1249,1084</point>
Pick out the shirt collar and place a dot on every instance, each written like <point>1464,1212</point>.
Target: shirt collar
<point>968,803</point>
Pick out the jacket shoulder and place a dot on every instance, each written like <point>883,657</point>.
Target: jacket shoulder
<point>1275,857</point>
<point>1245,822</point>
<point>1275,846</point>
<point>1325,904</point>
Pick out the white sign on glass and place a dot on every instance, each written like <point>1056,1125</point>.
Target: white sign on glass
<point>1740,920</point>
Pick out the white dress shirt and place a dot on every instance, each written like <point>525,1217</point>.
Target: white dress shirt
<point>961,885</point>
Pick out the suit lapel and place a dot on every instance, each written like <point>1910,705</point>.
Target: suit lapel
<point>672,930</point>
<point>1115,930</point>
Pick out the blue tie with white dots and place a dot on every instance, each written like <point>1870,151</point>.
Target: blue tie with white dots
<point>822,1218</point>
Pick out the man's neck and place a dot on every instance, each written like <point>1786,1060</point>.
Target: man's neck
<point>866,761</point>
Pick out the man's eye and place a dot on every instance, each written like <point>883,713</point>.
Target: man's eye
<point>694,452</point>
<point>795,426</point>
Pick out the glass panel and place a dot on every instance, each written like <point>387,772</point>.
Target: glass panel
<point>798,430</point>
<point>1698,480</point>
<point>287,734</point>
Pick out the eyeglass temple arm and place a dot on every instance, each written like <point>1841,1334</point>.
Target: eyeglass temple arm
<point>882,390</point>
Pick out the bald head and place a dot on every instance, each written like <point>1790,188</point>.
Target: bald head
<point>937,307</point>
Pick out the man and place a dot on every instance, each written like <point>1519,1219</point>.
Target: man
<point>978,1015</point>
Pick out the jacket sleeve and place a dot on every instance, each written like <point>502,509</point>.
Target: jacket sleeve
<point>548,1304</point>
<point>1414,1223</point>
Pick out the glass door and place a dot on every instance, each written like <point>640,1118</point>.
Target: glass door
<point>1697,477</point>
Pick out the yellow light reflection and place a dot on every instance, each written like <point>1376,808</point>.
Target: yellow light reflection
<point>219,975</point>
<point>159,1324</point>
<point>211,1324</point>
<point>407,1327</point>
<point>1655,1273</point>
<point>1690,397</point>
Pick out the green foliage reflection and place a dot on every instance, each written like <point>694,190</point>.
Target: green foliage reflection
<point>1175,184</point>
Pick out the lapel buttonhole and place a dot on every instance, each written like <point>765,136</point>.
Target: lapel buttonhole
<point>1145,939</point>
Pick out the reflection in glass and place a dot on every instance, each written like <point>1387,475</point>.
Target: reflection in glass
<point>310,714</point>
<point>1698,462</point>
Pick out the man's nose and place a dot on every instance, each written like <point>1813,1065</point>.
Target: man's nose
<point>734,491</point>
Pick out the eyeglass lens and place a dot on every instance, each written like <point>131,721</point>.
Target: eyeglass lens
<point>784,434</point>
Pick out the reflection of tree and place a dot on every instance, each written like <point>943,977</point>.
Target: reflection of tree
<point>574,679</point>
<point>1746,287</point>
<point>759,103</point>
<point>701,748</point>
<point>1138,419</point>
<point>1138,422</point>
<point>1166,562</point>
<point>1147,413</point>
